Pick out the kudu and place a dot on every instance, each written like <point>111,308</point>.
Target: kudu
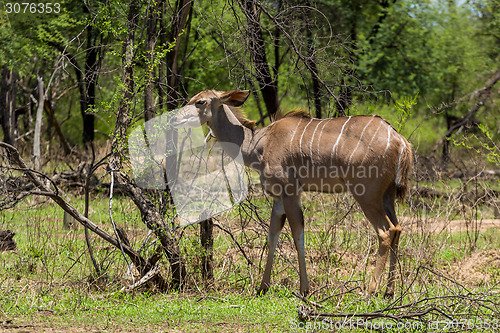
<point>363,154</point>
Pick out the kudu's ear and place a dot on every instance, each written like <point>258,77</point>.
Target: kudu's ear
<point>234,97</point>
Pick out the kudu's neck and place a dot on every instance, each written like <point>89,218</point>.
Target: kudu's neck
<point>227,128</point>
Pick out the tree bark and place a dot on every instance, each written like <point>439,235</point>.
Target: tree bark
<point>87,119</point>
<point>59,133</point>
<point>123,116</point>
<point>179,19</point>
<point>38,125</point>
<point>7,106</point>
<point>153,220</point>
<point>91,75</point>
<point>313,68</point>
<point>267,84</point>
<point>207,243</point>
<point>149,212</point>
<point>151,36</point>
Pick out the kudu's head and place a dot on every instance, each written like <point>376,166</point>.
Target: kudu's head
<point>202,108</point>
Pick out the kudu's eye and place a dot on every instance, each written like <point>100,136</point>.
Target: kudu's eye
<point>201,102</point>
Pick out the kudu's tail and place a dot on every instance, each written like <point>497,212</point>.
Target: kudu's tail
<point>405,164</point>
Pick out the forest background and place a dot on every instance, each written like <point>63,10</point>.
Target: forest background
<point>78,76</point>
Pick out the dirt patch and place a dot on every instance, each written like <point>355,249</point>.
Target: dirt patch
<point>37,327</point>
<point>479,268</point>
<point>438,225</point>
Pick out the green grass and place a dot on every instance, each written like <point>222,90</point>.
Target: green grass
<point>49,281</point>
<point>69,307</point>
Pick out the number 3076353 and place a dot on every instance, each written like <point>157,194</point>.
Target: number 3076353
<point>32,8</point>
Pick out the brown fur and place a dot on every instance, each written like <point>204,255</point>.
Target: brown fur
<point>291,156</point>
<point>295,140</point>
<point>242,118</point>
<point>405,169</point>
<point>279,115</point>
<point>294,113</point>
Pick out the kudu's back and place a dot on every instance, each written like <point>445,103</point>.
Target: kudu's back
<point>331,155</point>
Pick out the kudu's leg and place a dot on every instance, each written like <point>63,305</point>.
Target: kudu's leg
<point>391,213</point>
<point>296,219</point>
<point>386,233</point>
<point>277,221</point>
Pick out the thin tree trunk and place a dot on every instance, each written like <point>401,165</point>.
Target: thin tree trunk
<point>93,62</point>
<point>151,36</point>
<point>179,20</point>
<point>178,23</point>
<point>149,212</point>
<point>155,14</point>
<point>38,125</point>
<point>60,135</point>
<point>91,75</point>
<point>267,84</point>
<point>161,71</point>
<point>385,6</point>
<point>7,106</point>
<point>82,89</point>
<point>313,68</point>
<point>207,243</point>
<point>276,41</point>
<point>344,101</point>
<point>90,171</point>
<point>86,79</point>
<point>123,115</point>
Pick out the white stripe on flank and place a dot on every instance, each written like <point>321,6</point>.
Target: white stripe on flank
<point>373,137</point>
<point>320,134</point>
<point>389,128</point>
<point>294,132</point>
<point>302,136</point>
<point>398,176</point>
<point>359,141</point>
<point>312,139</point>
<point>338,139</point>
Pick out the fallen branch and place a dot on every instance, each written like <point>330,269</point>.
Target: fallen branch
<point>45,190</point>
<point>458,309</point>
<point>308,301</point>
<point>148,276</point>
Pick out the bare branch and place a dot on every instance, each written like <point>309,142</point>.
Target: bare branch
<point>484,94</point>
<point>43,189</point>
